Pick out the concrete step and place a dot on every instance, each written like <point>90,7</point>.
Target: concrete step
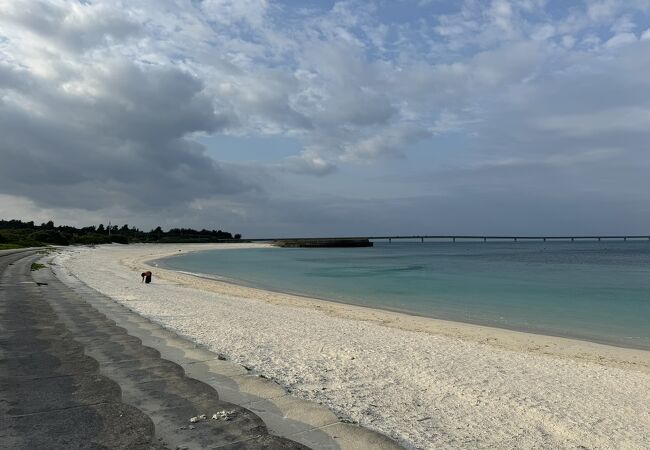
<point>157,387</point>
<point>302,421</point>
<point>52,395</point>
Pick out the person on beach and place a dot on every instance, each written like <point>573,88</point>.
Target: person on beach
<point>146,277</point>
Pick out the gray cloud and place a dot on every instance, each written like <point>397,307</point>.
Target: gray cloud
<point>503,103</point>
<point>122,141</point>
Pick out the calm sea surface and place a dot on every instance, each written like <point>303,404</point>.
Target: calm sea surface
<point>586,290</point>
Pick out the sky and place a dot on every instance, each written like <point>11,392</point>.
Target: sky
<point>328,118</point>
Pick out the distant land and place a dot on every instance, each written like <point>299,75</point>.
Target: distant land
<point>322,243</point>
<point>17,234</point>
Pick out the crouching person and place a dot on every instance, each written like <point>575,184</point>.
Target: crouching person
<point>146,277</point>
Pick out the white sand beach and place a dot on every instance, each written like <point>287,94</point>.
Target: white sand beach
<point>427,383</point>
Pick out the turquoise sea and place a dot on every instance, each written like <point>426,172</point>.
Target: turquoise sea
<point>598,291</point>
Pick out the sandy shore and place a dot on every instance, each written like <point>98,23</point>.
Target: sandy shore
<point>428,383</point>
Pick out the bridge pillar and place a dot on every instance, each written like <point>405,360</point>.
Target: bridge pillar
<point>544,239</point>
<point>485,239</point>
<point>598,239</point>
<point>390,240</point>
<point>624,238</point>
<point>515,239</point>
<point>572,239</point>
<point>453,239</point>
<point>422,240</point>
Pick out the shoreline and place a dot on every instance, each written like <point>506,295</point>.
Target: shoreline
<point>451,321</point>
<point>428,383</point>
<point>604,353</point>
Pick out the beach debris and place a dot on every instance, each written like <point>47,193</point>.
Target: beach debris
<point>224,415</point>
<point>201,417</point>
<point>221,357</point>
<point>191,427</point>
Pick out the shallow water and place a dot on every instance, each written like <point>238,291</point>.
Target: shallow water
<point>587,290</point>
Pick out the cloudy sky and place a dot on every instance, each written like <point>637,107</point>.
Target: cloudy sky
<point>317,117</point>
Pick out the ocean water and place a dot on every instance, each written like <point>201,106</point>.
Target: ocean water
<point>585,290</point>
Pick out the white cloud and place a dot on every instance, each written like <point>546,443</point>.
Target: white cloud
<point>72,27</point>
<point>543,32</point>
<point>502,14</point>
<point>620,39</point>
<point>308,163</point>
<point>232,11</point>
<point>624,24</point>
<point>392,142</point>
<point>599,10</point>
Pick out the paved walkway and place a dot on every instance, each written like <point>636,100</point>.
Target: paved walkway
<point>78,370</point>
<point>71,378</point>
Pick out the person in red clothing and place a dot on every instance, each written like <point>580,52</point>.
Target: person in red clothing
<point>146,277</point>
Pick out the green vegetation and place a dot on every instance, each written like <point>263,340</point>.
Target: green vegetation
<point>16,234</point>
<point>37,266</point>
<point>9,246</point>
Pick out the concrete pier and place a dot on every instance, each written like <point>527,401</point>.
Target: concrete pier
<point>455,238</point>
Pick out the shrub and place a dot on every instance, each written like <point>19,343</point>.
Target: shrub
<point>118,239</point>
<point>49,237</point>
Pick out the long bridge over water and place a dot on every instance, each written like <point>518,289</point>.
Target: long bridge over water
<point>455,238</point>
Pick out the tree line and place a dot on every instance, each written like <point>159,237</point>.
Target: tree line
<point>16,233</point>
